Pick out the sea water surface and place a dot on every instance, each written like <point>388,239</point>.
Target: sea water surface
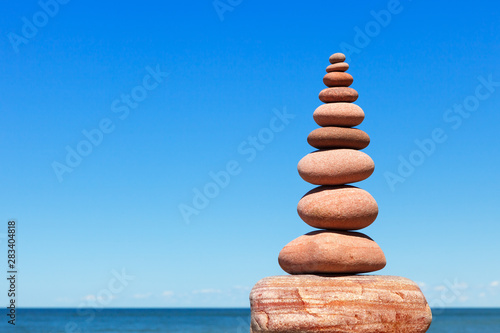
<point>205,321</point>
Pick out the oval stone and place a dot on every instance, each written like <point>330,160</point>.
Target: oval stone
<point>339,114</point>
<point>338,94</point>
<point>338,137</point>
<point>337,79</point>
<point>338,67</point>
<point>335,167</point>
<point>359,303</point>
<point>331,252</point>
<point>338,207</point>
<point>337,57</point>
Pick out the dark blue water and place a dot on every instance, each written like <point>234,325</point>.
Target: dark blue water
<point>204,321</point>
<point>465,321</point>
<point>132,320</point>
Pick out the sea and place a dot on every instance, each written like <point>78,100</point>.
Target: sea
<point>204,321</point>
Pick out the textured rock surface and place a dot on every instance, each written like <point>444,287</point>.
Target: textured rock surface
<point>361,304</point>
<point>338,137</point>
<point>338,114</point>
<point>331,252</point>
<point>338,94</point>
<point>338,79</point>
<point>337,57</point>
<point>335,167</point>
<point>338,207</point>
<point>337,67</point>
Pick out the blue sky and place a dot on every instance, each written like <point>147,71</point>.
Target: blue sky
<point>174,93</point>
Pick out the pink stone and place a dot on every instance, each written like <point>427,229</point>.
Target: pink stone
<point>338,114</point>
<point>338,94</point>
<point>337,67</point>
<point>341,207</point>
<point>337,57</point>
<point>331,252</point>
<point>338,137</point>
<point>348,304</point>
<point>337,79</point>
<point>335,167</point>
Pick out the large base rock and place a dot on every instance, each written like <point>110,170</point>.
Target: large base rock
<point>356,303</point>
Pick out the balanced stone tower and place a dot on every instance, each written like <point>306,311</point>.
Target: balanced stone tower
<point>324,293</point>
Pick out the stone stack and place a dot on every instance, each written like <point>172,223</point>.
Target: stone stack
<point>323,294</point>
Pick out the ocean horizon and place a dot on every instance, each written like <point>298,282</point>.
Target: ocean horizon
<point>206,320</point>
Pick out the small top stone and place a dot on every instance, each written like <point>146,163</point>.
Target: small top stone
<point>337,57</point>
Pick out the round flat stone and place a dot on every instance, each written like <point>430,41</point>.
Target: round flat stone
<point>331,252</point>
<point>341,207</point>
<point>337,67</point>
<point>337,79</point>
<point>338,94</point>
<point>335,167</point>
<point>338,137</point>
<point>349,304</point>
<point>339,114</point>
<point>337,57</point>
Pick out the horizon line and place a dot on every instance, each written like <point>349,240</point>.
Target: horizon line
<point>221,308</point>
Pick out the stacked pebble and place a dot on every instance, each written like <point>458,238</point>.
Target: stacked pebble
<point>333,205</point>
<point>323,294</point>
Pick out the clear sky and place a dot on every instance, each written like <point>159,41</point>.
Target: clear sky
<point>114,117</point>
